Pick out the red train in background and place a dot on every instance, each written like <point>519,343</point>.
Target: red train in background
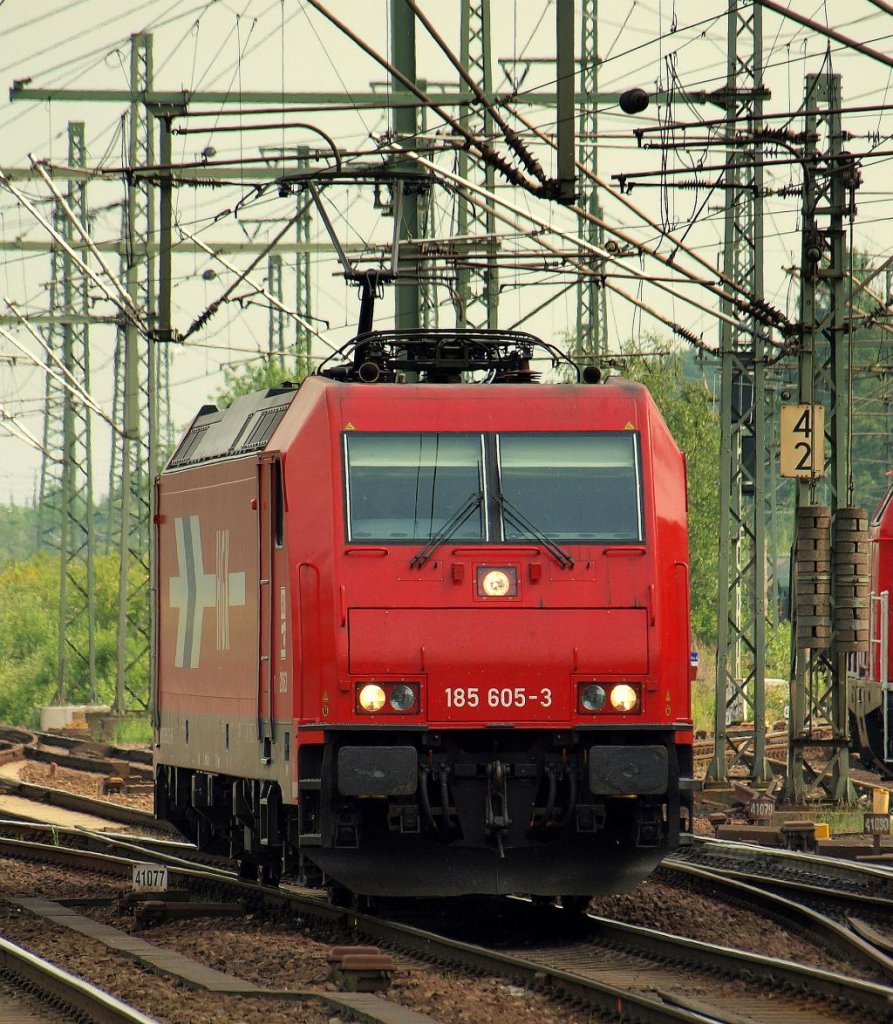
<point>870,683</point>
<point>422,626</point>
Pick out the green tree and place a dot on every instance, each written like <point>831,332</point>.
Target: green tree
<point>244,379</point>
<point>29,631</point>
<point>18,532</point>
<point>679,387</point>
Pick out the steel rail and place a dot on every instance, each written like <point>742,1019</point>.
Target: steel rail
<point>149,848</point>
<point>844,940</point>
<point>118,813</point>
<point>139,772</point>
<point>137,755</point>
<point>655,944</point>
<point>855,873</point>
<point>867,994</point>
<point>73,992</point>
<point>855,899</point>
<point>605,998</point>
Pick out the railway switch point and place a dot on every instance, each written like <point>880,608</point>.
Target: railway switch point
<point>157,911</point>
<point>128,901</point>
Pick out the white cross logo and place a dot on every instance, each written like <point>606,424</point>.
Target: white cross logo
<point>194,590</point>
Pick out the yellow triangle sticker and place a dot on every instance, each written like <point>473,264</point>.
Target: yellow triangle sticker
<point>629,426</point>
<point>350,426</point>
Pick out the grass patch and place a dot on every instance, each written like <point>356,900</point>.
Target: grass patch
<point>131,730</point>
<point>703,695</point>
<point>841,822</point>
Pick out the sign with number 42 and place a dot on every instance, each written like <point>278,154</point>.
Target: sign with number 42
<point>802,441</point>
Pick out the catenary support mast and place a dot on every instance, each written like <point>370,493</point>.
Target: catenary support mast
<point>741,646</point>
<point>592,315</point>
<point>66,514</point>
<point>477,290</point>
<point>830,179</point>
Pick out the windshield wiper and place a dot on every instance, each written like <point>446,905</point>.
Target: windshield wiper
<point>515,515</point>
<point>447,530</point>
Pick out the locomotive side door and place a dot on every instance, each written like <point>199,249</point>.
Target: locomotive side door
<point>273,662</point>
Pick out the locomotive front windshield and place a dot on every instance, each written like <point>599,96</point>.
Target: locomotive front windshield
<point>574,487</point>
<point>583,487</point>
<point>407,486</point>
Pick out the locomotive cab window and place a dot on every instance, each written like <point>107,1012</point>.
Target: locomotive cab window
<point>407,487</point>
<point>575,487</point>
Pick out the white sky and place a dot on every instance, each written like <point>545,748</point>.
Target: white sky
<point>284,45</point>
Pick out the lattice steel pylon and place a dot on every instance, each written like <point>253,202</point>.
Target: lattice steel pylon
<point>276,355</point>
<point>477,291</point>
<point>830,178</point>
<point>429,306</point>
<point>741,642</point>
<point>66,514</point>
<point>298,365</point>
<point>404,125</point>
<point>137,391</point>
<point>592,313</point>
<point>303,297</point>
<point>303,290</point>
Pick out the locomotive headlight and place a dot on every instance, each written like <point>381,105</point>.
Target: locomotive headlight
<point>493,581</point>
<point>402,697</point>
<point>592,697</point>
<point>371,698</point>
<point>624,697</point>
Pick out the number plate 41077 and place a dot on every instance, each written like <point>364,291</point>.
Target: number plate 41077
<point>149,878</point>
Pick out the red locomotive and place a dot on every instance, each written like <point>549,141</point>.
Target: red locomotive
<point>423,627</point>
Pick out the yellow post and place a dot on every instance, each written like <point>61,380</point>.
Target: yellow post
<point>880,801</point>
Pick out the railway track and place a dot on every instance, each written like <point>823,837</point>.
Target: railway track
<point>851,903</point>
<point>598,968</point>
<point>658,973</point>
<point>846,940</point>
<point>75,752</point>
<point>65,997</point>
<point>109,810</point>
<point>776,745</point>
<point>649,975</point>
<point>785,868</point>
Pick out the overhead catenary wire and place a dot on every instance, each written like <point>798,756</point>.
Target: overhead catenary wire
<point>242,277</point>
<point>471,188</point>
<point>126,301</point>
<point>125,304</point>
<point>10,423</point>
<point>681,27</point>
<point>618,233</point>
<point>64,382</point>
<point>750,305</point>
<point>67,378</point>
<point>511,137</point>
<point>830,33</point>
<point>472,141</point>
